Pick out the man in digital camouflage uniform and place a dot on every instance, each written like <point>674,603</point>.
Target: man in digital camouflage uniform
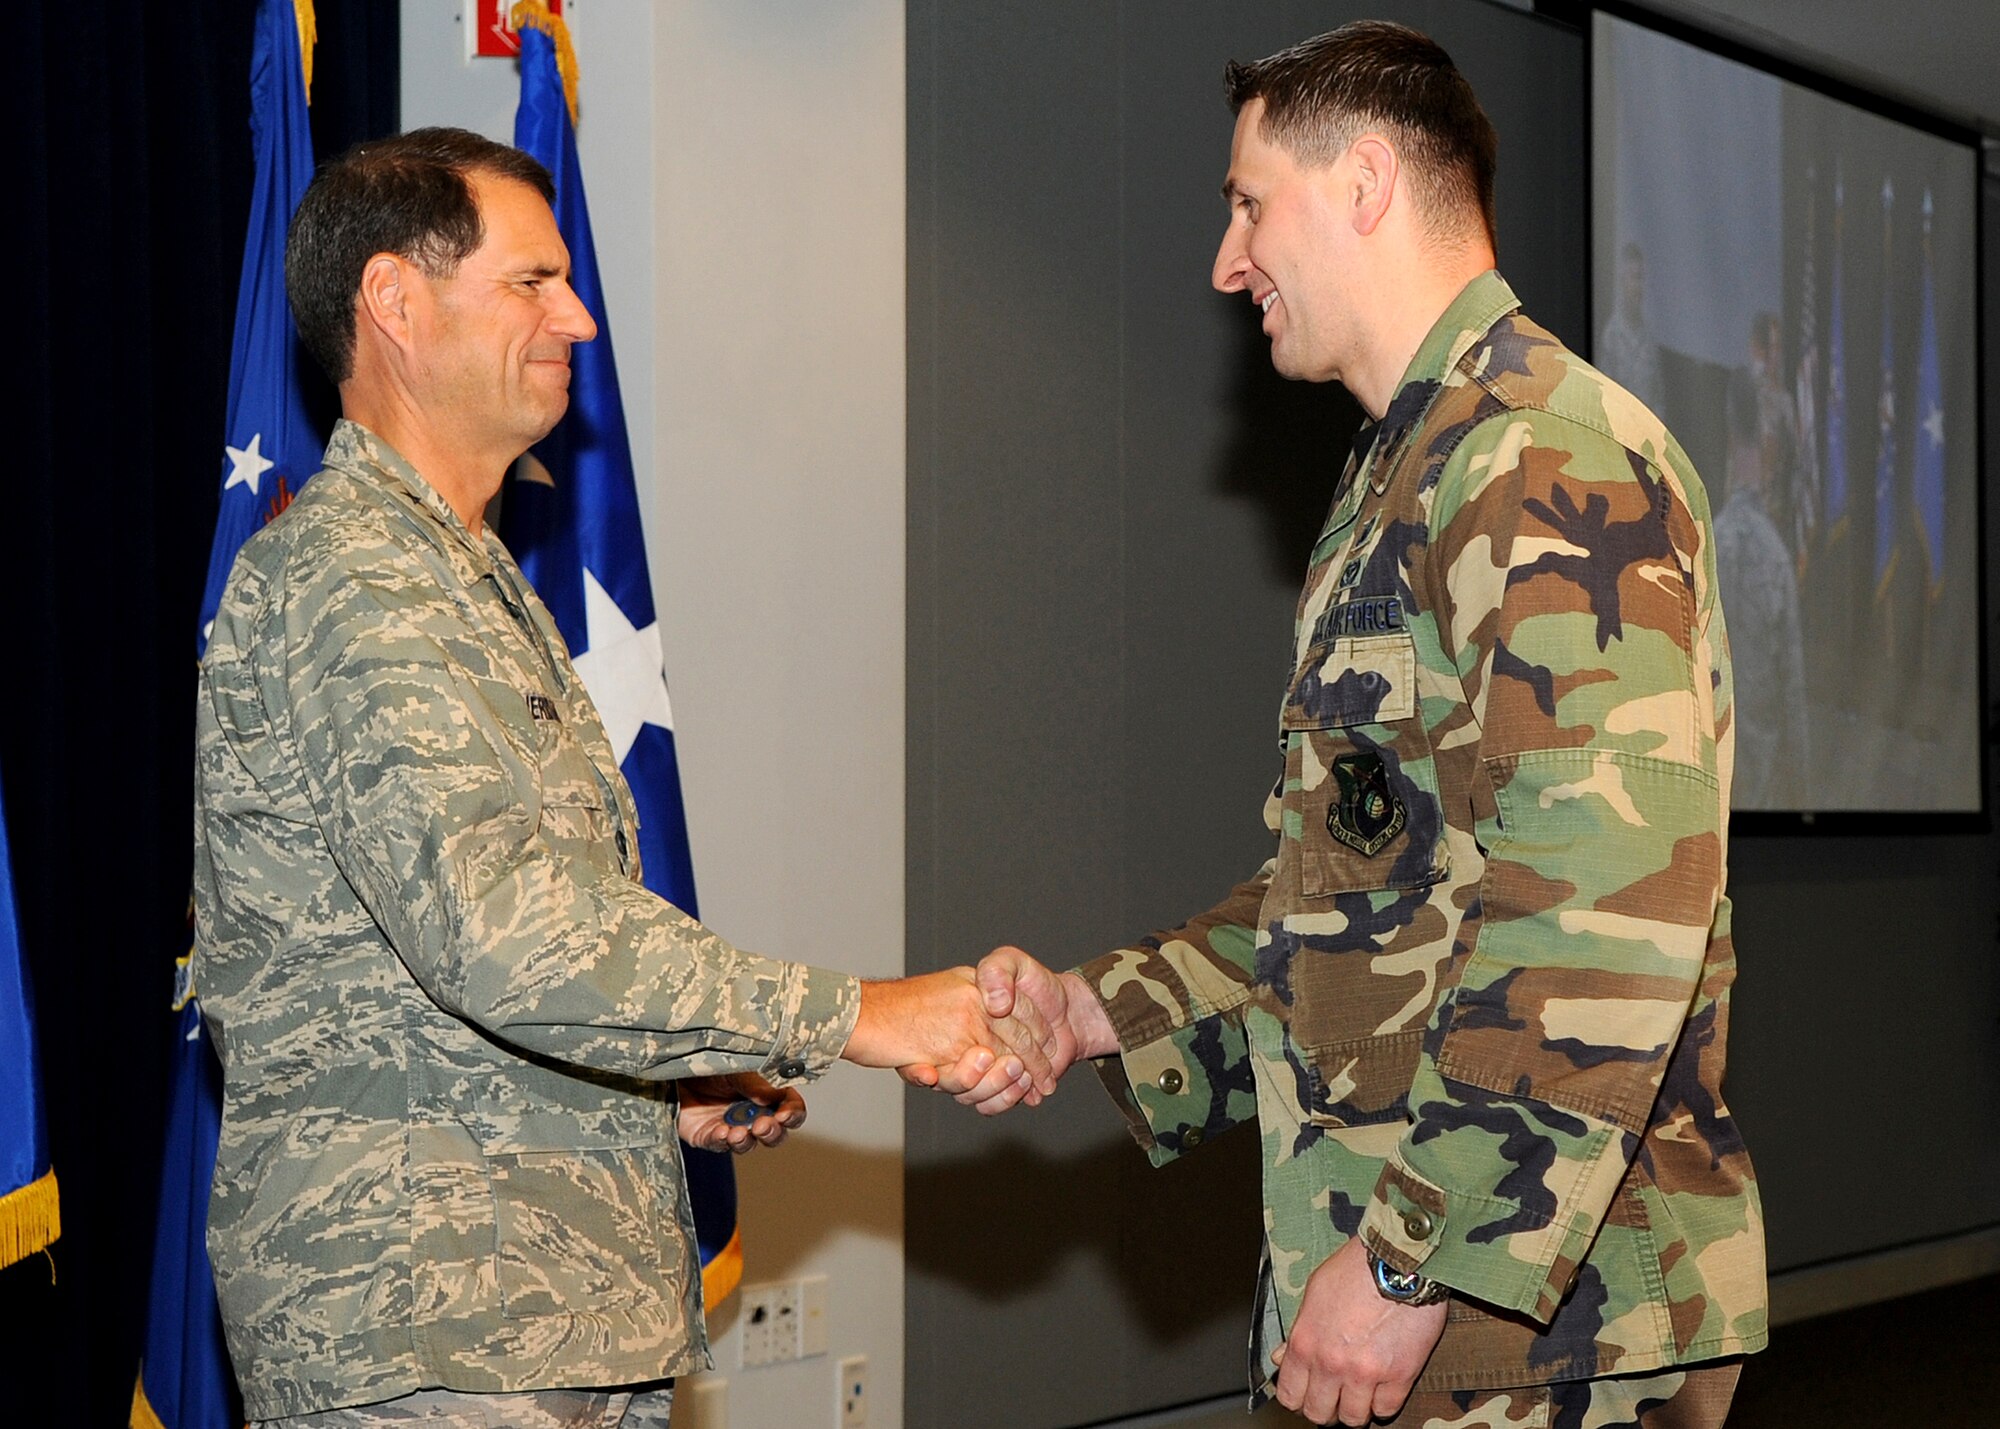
<point>1478,1002</point>
<point>452,1020</point>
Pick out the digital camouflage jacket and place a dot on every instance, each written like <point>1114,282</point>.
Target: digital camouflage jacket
<point>447,1009</point>
<point>1478,1002</point>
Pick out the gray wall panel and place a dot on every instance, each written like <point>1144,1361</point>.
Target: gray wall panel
<point>1111,498</point>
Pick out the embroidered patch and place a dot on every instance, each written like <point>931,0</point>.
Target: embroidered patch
<point>542,707</point>
<point>1367,531</point>
<point>1350,574</point>
<point>1363,615</point>
<point>1366,813</point>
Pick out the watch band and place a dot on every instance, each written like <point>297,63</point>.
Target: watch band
<point>1405,1287</point>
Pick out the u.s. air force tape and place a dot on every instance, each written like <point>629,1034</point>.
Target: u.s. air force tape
<point>1362,615</point>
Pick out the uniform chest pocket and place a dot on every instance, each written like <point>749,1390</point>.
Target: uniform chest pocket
<point>1361,785</point>
<point>576,816</point>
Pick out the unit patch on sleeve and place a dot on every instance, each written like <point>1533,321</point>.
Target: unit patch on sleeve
<point>1366,813</point>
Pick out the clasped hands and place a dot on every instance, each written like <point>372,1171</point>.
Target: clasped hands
<point>993,1036</point>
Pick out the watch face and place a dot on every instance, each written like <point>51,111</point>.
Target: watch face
<point>1405,1286</point>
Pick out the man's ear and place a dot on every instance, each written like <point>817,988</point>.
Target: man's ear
<point>388,285</point>
<point>1376,167</point>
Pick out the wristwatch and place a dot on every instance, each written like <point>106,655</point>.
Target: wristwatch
<point>1405,1287</point>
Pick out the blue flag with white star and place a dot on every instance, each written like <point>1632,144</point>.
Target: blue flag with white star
<point>1927,463</point>
<point>1888,535</point>
<point>270,447</point>
<point>29,1212</point>
<point>572,519</point>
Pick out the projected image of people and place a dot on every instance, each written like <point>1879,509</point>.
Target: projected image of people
<point>1788,280</point>
<point>1754,568</point>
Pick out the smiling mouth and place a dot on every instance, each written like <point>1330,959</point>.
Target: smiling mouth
<point>1269,298</point>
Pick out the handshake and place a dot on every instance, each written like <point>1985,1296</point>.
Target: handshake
<point>991,1036</point>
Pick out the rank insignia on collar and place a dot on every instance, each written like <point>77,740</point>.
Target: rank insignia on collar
<point>1366,813</point>
<point>542,707</point>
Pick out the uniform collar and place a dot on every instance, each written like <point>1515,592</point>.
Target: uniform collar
<point>1479,305</point>
<point>359,453</point>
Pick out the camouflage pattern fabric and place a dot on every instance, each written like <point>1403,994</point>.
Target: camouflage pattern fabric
<point>1675,1399</point>
<point>448,1011</point>
<point>1478,1002</point>
<point>534,1409</point>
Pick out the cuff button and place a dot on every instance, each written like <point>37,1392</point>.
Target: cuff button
<point>1170,1081</point>
<point>791,1069</point>
<point>1418,1225</point>
<point>1191,1138</point>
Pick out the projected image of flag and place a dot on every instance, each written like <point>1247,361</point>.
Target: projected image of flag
<point>1835,443</point>
<point>1888,534</point>
<point>1808,496</point>
<point>1927,462</point>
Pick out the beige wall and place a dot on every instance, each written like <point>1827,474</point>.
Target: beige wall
<point>745,173</point>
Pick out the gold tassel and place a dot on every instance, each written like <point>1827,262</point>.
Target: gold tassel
<point>30,1218</point>
<point>534,15</point>
<point>308,37</point>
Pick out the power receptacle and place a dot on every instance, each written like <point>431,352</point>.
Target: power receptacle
<point>812,1316</point>
<point>757,1322</point>
<point>772,1324</point>
<point>854,1392</point>
<point>787,1322</point>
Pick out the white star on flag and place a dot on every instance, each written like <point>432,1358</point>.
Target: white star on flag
<point>1934,426</point>
<point>247,464</point>
<point>623,669</point>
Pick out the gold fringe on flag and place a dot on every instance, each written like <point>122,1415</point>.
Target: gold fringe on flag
<point>308,37</point>
<point>721,1276</point>
<point>30,1219</point>
<point>143,1416</point>
<point>534,15</point>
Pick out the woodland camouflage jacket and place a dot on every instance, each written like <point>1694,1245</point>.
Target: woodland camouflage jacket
<point>1478,1002</point>
<point>448,1011</point>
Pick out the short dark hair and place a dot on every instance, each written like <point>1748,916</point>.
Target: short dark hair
<point>1321,93</point>
<point>409,195</point>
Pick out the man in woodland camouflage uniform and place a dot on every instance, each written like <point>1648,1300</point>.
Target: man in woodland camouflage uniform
<point>1478,1002</point>
<point>452,1020</point>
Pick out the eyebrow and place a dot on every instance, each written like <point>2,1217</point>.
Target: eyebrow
<point>1231,190</point>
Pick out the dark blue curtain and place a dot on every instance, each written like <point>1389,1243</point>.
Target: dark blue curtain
<point>127,166</point>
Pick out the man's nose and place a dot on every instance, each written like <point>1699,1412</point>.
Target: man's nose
<point>1232,262</point>
<point>571,319</point>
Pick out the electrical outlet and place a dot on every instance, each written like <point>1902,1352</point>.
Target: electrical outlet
<point>771,1323</point>
<point>785,1321</point>
<point>854,1392</point>
<point>812,1316</point>
<point>756,1322</point>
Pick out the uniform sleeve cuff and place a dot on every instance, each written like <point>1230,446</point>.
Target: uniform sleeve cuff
<point>821,1007</point>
